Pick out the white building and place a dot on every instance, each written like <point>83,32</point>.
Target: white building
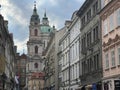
<point>74,44</point>
<point>69,56</point>
<point>64,59</point>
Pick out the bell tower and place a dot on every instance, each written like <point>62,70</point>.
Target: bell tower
<point>39,36</point>
<point>35,45</point>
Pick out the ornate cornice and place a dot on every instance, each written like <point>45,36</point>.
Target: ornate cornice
<point>111,42</point>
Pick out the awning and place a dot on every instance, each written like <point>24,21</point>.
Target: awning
<point>88,86</point>
<point>80,88</point>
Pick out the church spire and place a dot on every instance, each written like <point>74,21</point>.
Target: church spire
<point>35,17</point>
<point>45,19</point>
<point>45,13</point>
<point>34,10</point>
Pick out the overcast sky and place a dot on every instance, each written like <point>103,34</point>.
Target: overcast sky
<point>18,13</point>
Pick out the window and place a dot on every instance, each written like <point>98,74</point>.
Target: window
<point>96,61</point>
<point>36,49</point>
<point>36,32</point>
<point>88,65</point>
<point>95,33</point>
<point>36,65</point>
<point>88,15</point>
<point>118,17</point>
<point>105,27</point>
<point>92,64</point>
<point>83,20</point>
<point>89,39</point>
<point>113,58</point>
<point>111,22</point>
<point>83,68</point>
<point>119,56</point>
<point>97,57</point>
<point>95,7</point>
<point>106,61</point>
<point>83,43</point>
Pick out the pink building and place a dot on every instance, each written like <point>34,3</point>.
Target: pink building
<point>110,24</point>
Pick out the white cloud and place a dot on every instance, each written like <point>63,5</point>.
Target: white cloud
<point>55,20</point>
<point>53,2</point>
<point>80,1</point>
<point>21,45</point>
<point>10,10</point>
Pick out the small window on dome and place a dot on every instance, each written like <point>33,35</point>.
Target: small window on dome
<point>49,30</point>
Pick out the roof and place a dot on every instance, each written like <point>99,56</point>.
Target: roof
<point>23,56</point>
<point>46,29</point>
<point>83,8</point>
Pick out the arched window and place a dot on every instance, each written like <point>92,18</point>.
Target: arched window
<point>36,49</point>
<point>36,65</point>
<point>36,32</point>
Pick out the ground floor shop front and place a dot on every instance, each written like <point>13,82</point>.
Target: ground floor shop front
<point>111,84</point>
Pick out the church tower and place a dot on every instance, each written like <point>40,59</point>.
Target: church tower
<point>39,36</point>
<point>35,45</point>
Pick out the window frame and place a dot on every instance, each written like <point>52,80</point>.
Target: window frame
<point>106,60</point>
<point>118,50</point>
<point>112,57</point>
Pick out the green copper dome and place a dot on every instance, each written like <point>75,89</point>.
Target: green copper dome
<point>46,29</point>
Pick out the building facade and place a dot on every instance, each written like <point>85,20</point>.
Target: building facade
<point>110,24</point>
<point>58,35</point>
<point>63,59</point>
<point>20,66</point>
<point>39,36</point>
<point>91,60</point>
<point>7,56</point>
<point>69,55</point>
<point>50,64</point>
<point>74,56</point>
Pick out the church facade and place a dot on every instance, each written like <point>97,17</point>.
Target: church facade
<point>39,36</point>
